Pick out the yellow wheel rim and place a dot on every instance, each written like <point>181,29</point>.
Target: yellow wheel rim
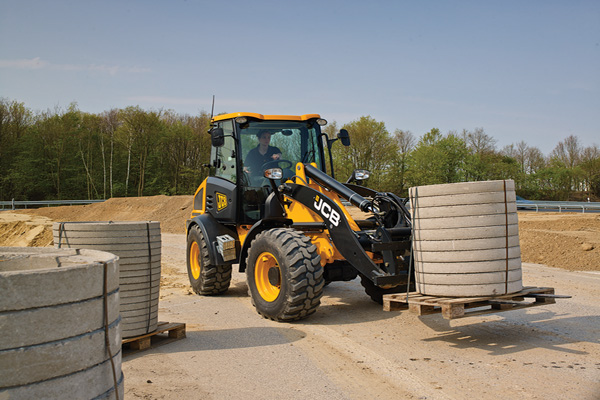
<point>194,260</point>
<point>267,288</point>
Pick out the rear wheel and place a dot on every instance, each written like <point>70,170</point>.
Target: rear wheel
<point>284,274</point>
<point>206,279</point>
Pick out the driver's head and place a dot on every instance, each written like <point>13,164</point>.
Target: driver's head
<point>264,135</point>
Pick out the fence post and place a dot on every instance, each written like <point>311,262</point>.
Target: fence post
<point>13,203</point>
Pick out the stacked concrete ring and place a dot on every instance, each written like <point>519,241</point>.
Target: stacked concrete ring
<point>465,240</point>
<point>138,245</point>
<point>62,294</point>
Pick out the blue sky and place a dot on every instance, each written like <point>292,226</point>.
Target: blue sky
<point>522,70</point>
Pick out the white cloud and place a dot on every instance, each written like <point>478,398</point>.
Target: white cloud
<point>33,63</point>
<point>38,63</point>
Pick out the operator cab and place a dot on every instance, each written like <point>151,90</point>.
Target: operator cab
<point>252,143</point>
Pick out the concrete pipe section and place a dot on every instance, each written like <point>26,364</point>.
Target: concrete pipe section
<point>59,317</point>
<point>138,245</point>
<point>466,239</point>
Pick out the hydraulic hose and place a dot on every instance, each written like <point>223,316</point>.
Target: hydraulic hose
<point>325,180</point>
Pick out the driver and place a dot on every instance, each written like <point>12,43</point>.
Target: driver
<point>261,154</point>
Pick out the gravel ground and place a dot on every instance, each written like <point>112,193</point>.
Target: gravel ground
<point>352,349</point>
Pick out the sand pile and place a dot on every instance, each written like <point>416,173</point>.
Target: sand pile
<point>568,240</point>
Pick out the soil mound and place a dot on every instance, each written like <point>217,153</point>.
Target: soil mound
<point>20,230</point>
<point>33,227</point>
<point>170,211</point>
<point>568,240</point>
<point>564,240</point>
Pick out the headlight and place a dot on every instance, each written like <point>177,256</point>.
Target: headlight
<point>273,173</point>
<point>241,120</point>
<point>361,174</point>
<point>322,122</point>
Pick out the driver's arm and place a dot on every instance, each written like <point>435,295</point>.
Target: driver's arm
<point>277,153</point>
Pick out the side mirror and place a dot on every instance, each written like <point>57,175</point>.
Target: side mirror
<point>344,137</point>
<point>217,137</point>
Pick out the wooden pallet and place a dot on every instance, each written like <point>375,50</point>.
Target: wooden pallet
<point>175,330</point>
<point>460,307</point>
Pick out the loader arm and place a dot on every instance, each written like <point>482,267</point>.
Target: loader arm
<point>347,241</point>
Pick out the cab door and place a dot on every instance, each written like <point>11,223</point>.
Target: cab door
<point>221,188</point>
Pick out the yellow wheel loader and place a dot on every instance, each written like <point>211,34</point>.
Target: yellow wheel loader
<point>272,206</point>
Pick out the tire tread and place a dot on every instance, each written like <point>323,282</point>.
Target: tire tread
<point>305,273</point>
<point>214,279</point>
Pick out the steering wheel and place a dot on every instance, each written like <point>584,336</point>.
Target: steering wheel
<point>275,163</point>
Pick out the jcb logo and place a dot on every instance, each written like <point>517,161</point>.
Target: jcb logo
<point>326,211</point>
<point>221,201</point>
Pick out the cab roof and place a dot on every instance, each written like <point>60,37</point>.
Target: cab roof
<point>304,117</point>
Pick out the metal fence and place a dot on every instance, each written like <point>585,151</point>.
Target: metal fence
<point>522,205</point>
<point>548,206</point>
<point>558,206</point>
<point>14,204</point>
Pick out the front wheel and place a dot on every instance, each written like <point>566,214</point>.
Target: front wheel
<point>284,274</point>
<point>206,279</point>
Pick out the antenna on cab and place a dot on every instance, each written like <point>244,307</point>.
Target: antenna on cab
<point>212,111</point>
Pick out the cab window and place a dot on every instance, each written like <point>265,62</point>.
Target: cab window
<point>224,157</point>
<point>290,141</point>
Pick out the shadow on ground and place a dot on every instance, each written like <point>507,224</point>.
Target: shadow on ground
<point>520,331</point>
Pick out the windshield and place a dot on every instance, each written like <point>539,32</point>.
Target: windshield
<point>269,144</point>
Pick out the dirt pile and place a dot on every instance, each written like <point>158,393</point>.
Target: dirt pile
<point>564,240</point>
<point>33,227</point>
<point>568,240</point>
<point>20,230</point>
<point>170,211</point>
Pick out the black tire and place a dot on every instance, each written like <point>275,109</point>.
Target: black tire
<point>376,293</point>
<point>206,279</point>
<point>284,274</point>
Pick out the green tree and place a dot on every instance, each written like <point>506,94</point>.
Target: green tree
<point>140,133</point>
<point>57,133</point>
<point>59,154</point>
<point>195,168</point>
<point>371,148</point>
<point>437,159</point>
<point>528,176</point>
<point>482,159</point>
<point>89,150</point>
<point>455,151</point>
<point>15,120</point>
<point>405,143</point>
<point>563,174</point>
<point>110,123</point>
<point>426,160</point>
<point>590,167</point>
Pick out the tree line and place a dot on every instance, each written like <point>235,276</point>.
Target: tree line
<point>70,154</point>
<point>400,160</point>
